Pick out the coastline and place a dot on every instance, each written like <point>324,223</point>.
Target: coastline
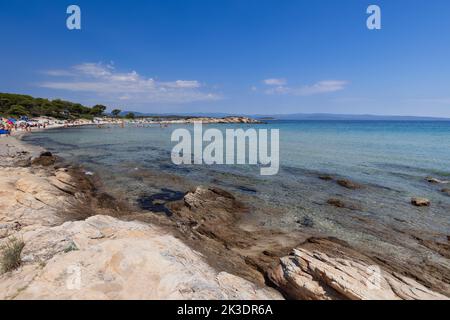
<point>318,267</point>
<point>46,206</point>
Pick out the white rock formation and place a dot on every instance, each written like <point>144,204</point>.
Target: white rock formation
<point>105,258</point>
<point>314,275</point>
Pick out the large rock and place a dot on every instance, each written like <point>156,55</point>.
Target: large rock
<point>315,275</point>
<point>105,258</point>
<point>204,198</point>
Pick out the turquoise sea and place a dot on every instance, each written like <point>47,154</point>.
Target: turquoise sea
<point>390,159</point>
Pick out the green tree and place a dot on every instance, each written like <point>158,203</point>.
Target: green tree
<point>17,110</point>
<point>116,112</point>
<point>19,104</point>
<point>98,110</point>
<point>130,115</point>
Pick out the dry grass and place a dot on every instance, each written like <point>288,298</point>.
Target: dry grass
<point>10,255</point>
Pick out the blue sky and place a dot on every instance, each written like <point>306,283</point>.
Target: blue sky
<point>236,56</point>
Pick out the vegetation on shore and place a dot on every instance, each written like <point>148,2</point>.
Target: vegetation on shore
<point>18,105</point>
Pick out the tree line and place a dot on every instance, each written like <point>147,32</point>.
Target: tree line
<point>18,105</point>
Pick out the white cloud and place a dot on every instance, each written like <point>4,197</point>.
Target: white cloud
<point>58,73</point>
<point>104,81</point>
<point>183,84</point>
<point>320,87</point>
<point>275,82</point>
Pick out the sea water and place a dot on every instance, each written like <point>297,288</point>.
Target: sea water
<point>390,159</point>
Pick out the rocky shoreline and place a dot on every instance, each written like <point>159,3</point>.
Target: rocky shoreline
<point>80,243</point>
<point>77,248</point>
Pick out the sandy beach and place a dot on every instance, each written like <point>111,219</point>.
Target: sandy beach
<point>81,243</point>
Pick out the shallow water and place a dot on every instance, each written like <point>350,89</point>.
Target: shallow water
<point>391,159</point>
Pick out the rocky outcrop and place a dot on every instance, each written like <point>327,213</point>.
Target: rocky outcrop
<point>105,258</point>
<point>317,273</point>
<point>223,120</point>
<point>210,219</point>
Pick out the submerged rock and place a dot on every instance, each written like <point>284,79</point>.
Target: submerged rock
<point>446,191</point>
<point>306,222</point>
<point>436,181</point>
<point>349,184</point>
<point>158,202</point>
<point>341,204</point>
<point>45,159</point>
<point>336,202</point>
<point>420,202</point>
<point>247,189</point>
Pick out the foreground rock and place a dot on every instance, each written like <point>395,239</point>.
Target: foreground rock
<point>328,270</point>
<point>210,219</point>
<point>105,258</point>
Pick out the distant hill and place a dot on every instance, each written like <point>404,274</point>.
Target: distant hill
<point>296,116</point>
<point>24,105</point>
<point>358,117</point>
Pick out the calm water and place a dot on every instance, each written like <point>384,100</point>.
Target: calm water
<point>391,159</point>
